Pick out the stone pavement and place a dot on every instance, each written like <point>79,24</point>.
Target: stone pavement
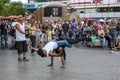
<point>81,64</point>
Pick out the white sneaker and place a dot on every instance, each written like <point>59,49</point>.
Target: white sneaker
<point>34,53</point>
<point>113,52</point>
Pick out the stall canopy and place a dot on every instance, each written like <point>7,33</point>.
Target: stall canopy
<point>12,17</point>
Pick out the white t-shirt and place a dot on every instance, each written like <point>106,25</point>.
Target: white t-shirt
<point>13,24</point>
<point>50,47</point>
<point>20,36</point>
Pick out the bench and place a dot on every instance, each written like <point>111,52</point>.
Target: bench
<point>97,43</point>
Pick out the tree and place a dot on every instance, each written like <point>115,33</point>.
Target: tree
<point>17,8</point>
<point>14,8</point>
<point>2,3</point>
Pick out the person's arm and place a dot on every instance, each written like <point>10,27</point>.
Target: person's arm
<point>54,54</point>
<point>18,28</point>
<point>8,29</point>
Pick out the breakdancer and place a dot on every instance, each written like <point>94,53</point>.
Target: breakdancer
<point>55,48</point>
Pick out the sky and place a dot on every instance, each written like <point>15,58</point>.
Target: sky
<point>104,1</point>
<point>23,1</point>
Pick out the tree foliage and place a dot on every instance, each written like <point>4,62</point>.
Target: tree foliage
<point>2,3</point>
<point>13,8</point>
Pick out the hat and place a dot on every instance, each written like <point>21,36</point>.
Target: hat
<point>20,16</point>
<point>40,52</point>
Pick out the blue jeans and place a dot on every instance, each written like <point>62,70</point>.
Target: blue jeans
<point>102,40</point>
<point>4,39</point>
<point>69,42</point>
<point>66,35</point>
<point>113,36</point>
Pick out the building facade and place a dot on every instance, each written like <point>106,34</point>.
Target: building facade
<point>88,8</point>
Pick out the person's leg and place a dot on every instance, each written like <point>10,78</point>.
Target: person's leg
<point>51,64</point>
<point>102,40</point>
<point>74,41</point>
<point>25,49</point>
<point>92,39</point>
<point>2,40</point>
<point>19,50</point>
<point>33,41</point>
<point>64,53</point>
<point>63,62</point>
<point>112,39</point>
<point>6,39</point>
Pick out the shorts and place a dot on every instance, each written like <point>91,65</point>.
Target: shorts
<point>21,46</point>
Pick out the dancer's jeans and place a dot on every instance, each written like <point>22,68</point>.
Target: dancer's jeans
<point>69,42</point>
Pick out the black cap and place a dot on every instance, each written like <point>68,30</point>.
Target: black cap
<point>40,52</point>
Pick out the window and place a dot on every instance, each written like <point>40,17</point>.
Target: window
<point>108,9</point>
<point>53,12</point>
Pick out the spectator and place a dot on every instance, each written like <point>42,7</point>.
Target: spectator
<point>107,36</point>
<point>38,34</point>
<point>116,45</point>
<point>49,34</point>
<point>21,44</point>
<point>93,38</point>
<point>73,27</point>
<point>101,36</point>
<point>33,36</point>
<point>112,31</point>
<point>118,27</point>
<point>4,27</point>
<point>65,28</point>
<point>84,31</point>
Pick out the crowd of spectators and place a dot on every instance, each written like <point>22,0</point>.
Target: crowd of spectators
<point>107,32</point>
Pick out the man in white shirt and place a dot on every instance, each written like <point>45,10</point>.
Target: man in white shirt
<point>56,49</point>
<point>21,44</point>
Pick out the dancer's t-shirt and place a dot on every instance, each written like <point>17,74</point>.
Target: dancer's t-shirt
<point>50,47</point>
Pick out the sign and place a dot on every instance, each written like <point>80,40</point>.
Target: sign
<point>29,6</point>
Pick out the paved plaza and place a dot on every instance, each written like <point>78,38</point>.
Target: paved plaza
<point>81,64</point>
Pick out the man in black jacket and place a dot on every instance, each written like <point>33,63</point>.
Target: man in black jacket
<point>65,28</point>
<point>4,33</point>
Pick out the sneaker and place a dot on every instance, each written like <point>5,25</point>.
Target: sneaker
<point>34,53</point>
<point>26,60</point>
<point>113,52</point>
<point>50,65</point>
<point>20,60</point>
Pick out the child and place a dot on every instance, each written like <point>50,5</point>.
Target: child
<point>93,37</point>
<point>49,34</point>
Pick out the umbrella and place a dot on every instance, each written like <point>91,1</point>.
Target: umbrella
<point>29,17</point>
<point>89,19</point>
<point>1,17</point>
<point>12,17</point>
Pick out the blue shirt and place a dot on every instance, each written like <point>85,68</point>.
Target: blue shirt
<point>113,30</point>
